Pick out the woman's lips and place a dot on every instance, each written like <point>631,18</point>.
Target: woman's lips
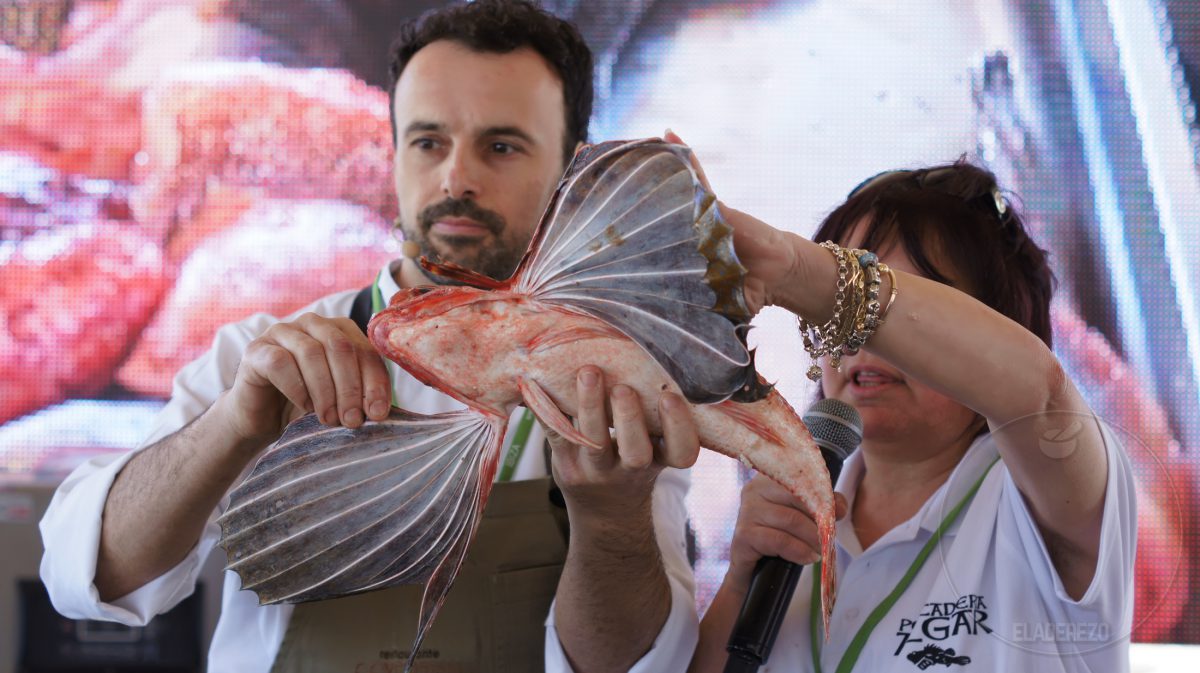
<point>866,381</point>
<point>460,227</point>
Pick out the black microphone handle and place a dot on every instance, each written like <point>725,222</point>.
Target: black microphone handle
<point>762,613</point>
<point>767,601</point>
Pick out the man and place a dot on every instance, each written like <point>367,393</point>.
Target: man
<point>489,101</point>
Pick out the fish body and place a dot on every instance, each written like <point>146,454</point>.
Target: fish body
<point>631,270</point>
<point>480,346</point>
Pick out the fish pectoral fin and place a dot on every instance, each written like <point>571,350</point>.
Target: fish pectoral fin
<point>330,512</point>
<point>633,238</point>
<point>548,413</point>
<point>461,274</point>
<point>741,412</point>
<point>461,533</point>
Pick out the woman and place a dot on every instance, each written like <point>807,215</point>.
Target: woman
<point>1034,572</point>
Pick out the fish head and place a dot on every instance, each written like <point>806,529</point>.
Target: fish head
<point>442,336</point>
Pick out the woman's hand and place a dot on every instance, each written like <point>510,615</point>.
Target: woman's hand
<point>771,523</point>
<point>768,254</point>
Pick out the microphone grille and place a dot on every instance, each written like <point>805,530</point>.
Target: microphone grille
<point>835,425</point>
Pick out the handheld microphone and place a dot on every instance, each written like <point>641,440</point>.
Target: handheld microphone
<point>837,429</point>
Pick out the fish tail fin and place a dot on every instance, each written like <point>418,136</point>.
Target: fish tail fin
<point>828,573</point>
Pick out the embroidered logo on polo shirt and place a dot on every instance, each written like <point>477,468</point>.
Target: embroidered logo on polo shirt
<point>938,622</point>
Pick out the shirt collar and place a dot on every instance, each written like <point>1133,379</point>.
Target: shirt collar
<point>386,280</point>
<point>978,457</point>
<point>972,466</point>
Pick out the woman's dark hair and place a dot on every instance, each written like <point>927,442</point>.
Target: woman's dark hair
<point>502,26</point>
<point>953,217</point>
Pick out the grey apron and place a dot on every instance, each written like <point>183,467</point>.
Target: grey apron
<point>492,620</point>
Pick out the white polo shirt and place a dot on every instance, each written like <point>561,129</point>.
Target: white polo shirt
<point>988,598</point>
<point>247,636</point>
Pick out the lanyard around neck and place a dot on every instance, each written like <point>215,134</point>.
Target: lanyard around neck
<point>516,447</point>
<point>864,632</point>
<point>377,305</point>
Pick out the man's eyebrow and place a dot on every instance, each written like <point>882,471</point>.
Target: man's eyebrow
<point>513,131</point>
<point>489,132</point>
<point>423,127</point>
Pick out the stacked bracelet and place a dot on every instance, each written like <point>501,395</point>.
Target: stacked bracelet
<point>857,311</point>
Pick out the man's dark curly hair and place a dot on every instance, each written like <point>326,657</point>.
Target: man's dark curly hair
<point>502,26</point>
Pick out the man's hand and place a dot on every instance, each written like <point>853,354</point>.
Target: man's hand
<point>152,518</point>
<point>614,598</point>
<point>314,364</point>
<point>615,482</point>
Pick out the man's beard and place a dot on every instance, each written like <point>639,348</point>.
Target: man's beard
<point>498,260</point>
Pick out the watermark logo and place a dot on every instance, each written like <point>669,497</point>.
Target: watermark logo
<point>1061,442</point>
<point>1061,632</point>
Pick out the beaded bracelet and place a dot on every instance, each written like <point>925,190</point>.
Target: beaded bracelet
<point>867,321</point>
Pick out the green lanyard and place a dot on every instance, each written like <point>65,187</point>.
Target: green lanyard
<point>377,305</point>
<point>864,632</point>
<point>516,447</point>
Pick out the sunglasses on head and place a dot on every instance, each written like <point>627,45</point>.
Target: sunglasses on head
<point>992,199</point>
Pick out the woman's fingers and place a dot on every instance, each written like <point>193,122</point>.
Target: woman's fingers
<point>671,137</point>
<point>771,523</point>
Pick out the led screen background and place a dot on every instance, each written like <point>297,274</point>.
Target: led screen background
<point>167,166</point>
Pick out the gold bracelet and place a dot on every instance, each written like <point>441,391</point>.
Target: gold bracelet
<point>867,319</point>
<point>857,311</point>
<point>820,340</point>
<point>895,290</point>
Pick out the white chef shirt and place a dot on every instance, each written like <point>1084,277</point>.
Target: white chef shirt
<point>989,590</point>
<point>248,635</point>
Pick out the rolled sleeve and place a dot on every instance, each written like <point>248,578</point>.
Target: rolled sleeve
<point>676,641</point>
<point>71,526</point>
<point>71,536</point>
<point>1110,592</point>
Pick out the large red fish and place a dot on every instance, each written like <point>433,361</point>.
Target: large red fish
<point>633,270</point>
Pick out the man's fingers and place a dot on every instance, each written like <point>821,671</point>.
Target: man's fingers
<point>269,364</point>
<point>771,491</point>
<point>341,354</point>
<point>377,385</point>
<point>309,355</point>
<point>591,416</point>
<point>681,441</point>
<point>633,442</point>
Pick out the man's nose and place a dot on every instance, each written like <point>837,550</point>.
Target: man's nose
<point>461,176</point>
